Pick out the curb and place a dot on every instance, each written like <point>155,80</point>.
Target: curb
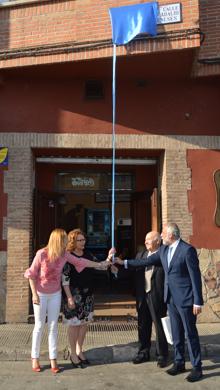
<point>100,355</point>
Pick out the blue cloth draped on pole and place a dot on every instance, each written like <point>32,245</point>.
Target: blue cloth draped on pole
<point>129,21</point>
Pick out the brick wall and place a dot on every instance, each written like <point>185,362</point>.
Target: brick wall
<point>18,185</point>
<point>78,22</point>
<point>176,181</point>
<point>3,267</point>
<point>3,246</point>
<point>210,26</point>
<point>210,49</point>
<point>3,210</point>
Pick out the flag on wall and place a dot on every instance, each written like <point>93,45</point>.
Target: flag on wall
<point>129,21</point>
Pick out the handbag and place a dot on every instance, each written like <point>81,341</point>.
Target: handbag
<point>167,329</point>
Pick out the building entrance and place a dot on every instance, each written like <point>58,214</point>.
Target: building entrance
<point>81,198</point>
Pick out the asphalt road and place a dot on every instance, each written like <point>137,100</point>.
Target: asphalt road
<point>121,376</point>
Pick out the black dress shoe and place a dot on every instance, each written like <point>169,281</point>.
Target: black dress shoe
<point>162,361</point>
<point>176,369</point>
<point>194,375</point>
<point>141,357</point>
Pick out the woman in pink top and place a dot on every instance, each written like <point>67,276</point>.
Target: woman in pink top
<point>44,277</point>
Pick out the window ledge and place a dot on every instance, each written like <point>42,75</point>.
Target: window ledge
<point>8,3</point>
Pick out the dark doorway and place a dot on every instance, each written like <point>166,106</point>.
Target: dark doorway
<point>47,216</point>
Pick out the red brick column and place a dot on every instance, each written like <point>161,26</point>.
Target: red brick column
<point>175,183</point>
<point>18,185</point>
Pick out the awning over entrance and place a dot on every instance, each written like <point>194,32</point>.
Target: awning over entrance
<point>94,160</point>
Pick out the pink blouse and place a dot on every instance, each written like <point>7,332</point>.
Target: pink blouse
<point>47,274</point>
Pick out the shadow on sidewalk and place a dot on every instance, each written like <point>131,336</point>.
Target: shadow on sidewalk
<point>211,339</point>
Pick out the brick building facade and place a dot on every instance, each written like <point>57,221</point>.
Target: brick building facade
<point>167,112</point>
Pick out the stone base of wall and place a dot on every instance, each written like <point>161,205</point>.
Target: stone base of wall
<point>209,261</point>
<point>3,267</point>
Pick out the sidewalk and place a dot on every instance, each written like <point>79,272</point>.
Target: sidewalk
<point>105,342</point>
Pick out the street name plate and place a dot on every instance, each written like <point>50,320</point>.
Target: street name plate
<point>170,13</point>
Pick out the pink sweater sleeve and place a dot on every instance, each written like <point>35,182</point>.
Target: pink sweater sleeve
<point>79,264</point>
<point>33,271</point>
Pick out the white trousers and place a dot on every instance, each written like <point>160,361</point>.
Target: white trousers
<point>50,307</point>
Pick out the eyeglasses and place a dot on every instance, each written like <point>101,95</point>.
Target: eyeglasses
<point>81,240</point>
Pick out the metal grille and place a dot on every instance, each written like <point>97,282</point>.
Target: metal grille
<point>111,333</point>
<point>113,326</point>
<point>100,333</point>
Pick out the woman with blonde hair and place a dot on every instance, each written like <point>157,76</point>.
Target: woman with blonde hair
<point>44,277</point>
<point>78,298</point>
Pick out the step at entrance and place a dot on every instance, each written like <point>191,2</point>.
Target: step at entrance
<point>114,306</point>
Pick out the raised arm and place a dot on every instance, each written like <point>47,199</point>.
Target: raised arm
<point>150,260</point>
<point>81,264</point>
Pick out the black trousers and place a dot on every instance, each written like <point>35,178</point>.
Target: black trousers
<point>147,314</point>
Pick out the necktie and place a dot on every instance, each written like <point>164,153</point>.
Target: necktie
<point>169,255</point>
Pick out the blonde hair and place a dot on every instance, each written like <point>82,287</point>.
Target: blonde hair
<point>72,237</point>
<point>57,244</point>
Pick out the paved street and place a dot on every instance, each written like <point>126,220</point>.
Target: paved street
<point>112,343</point>
<point>123,376</point>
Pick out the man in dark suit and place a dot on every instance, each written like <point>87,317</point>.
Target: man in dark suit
<point>183,295</point>
<point>150,305</point>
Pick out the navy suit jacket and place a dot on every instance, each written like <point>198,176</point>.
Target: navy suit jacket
<point>182,278</point>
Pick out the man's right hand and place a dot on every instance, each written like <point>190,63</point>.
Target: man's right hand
<point>117,260</point>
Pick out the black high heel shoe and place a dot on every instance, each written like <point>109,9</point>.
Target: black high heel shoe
<point>76,365</point>
<point>84,361</point>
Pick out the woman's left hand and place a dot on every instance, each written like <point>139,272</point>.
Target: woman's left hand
<point>71,303</point>
<point>36,299</point>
